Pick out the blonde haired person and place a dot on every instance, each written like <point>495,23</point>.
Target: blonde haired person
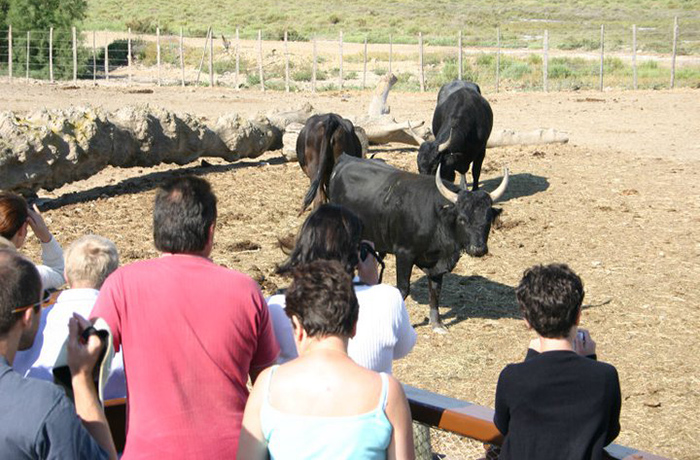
<point>322,404</point>
<point>15,218</point>
<point>89,261</point>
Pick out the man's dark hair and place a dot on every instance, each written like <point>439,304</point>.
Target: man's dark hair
<point>332,232</point>
<point>20,285</point>
<point>322,297</point>
<point>550,298</point>
<point>185,209</point>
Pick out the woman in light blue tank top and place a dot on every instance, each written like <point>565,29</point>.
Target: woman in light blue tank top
<point>322,405</point>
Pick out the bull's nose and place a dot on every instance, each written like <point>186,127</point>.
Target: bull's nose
<point>477,251</point>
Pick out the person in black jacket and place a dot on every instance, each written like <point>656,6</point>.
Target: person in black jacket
<point>560,403</point>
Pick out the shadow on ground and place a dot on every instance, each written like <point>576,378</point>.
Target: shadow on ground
<point>150,181</point>
<point>468,297</point>
<point>519,185</point>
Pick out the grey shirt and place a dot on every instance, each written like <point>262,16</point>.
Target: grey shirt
<point>38,421</point>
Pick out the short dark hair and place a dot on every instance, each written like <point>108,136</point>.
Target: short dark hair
<point>550,298</point>
<point>13,214</point>
<point>322,297</point>
<point>20,285</point>
<point>185,209</point>
<point>331,232</point>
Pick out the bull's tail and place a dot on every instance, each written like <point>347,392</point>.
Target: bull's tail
<point>325,164</point>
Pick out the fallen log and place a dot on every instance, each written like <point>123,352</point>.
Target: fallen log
<point>50,148</point>
<point>538,136</point>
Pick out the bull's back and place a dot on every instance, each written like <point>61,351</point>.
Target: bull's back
<point>468,111</point>
<point>388,201</point>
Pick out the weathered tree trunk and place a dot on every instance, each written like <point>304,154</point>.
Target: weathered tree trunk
<point>538,136</point>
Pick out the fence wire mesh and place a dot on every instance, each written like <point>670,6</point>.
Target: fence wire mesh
<point>435,444</point>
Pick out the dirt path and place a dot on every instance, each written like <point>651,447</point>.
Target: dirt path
<point>620,203</point>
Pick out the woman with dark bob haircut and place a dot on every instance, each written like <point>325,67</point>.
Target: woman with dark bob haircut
<point>15,219</point>
<point>323,404</point>
<point>384,330</point>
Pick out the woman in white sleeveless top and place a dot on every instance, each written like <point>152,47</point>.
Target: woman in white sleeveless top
<point>322,404</point>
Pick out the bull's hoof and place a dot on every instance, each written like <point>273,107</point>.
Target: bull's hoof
<point>439,329</point>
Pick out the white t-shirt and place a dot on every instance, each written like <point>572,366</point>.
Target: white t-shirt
<point>38,360</point>
<point>384,331</point>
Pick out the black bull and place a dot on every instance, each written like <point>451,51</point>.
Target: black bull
<point>322,140</point>
<point>462,124</point>
<point>418,218</point>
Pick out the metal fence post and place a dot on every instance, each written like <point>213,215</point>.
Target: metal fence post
<point>75,57</point>
<point>459,56</point>
<point>498,58</point>
<point>51,54</point>
<point>545,62</point>
<point>634,56</point>
<point>420,59</point>
<point>286,63</point>
<point>602,55</point>
<point>675,47</point>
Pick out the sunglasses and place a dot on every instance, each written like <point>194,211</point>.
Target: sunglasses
<point>365,250</point>
<point>48,299</point>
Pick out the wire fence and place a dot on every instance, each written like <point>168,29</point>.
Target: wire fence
<point>509,63</point>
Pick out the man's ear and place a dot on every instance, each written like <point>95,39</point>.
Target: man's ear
<point>28,317</point>
<point>578,317</point>
<point>297,329</point>
<point>527,324</point>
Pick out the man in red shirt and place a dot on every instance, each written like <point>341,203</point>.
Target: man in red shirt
<point>191,332</point>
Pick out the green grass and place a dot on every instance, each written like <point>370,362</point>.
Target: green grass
<point>571,25</point>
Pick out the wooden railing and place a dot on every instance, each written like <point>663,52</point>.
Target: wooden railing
<point>476,422</point>
<point>454,415</point>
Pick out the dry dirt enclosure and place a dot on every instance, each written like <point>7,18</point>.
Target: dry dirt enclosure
<point>620,203</point>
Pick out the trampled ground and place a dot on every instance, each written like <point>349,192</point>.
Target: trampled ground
<point>620,203</point>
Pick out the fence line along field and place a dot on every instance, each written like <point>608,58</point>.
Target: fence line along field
<point>223,58</point>
<point>620,204</point>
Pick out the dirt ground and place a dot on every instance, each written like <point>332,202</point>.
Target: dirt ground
<point>620,204</point>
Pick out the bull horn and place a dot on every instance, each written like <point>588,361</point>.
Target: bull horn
<point>444,191</point>
<point>445,145</point>
<point>496,194</point>
<point>415,136</point>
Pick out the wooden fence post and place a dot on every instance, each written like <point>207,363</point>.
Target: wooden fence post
<point>182,57</point>
<point>391,51</point>
<point>420,60</point>
<point>260,61</point>
<point>128,55</point>
<point>545,62</point>
<point>634,56</point>
<point>340,54</point>
<point>106,58</point>
<point>673,56</point>
<point>459,56</point>
<point>94,59</point>
<point>602,55</point>
<point>51,54</point>
<point>75,57</point>
<point>204,53</point>
<point>286,64</point>
<point>9,53</point>
<point>364,66</point>
<point>498,58</point>
<point>238,58</point>
<point>158,53</point>
<point>28,51</point>
<point>211,59</point>
<point>313,69</point>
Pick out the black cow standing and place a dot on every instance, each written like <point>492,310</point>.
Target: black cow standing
<point>418,218</point>
<point>462,124</point>
<point>322,140</point>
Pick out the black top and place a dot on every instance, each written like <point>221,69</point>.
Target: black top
<point>557,405</point>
